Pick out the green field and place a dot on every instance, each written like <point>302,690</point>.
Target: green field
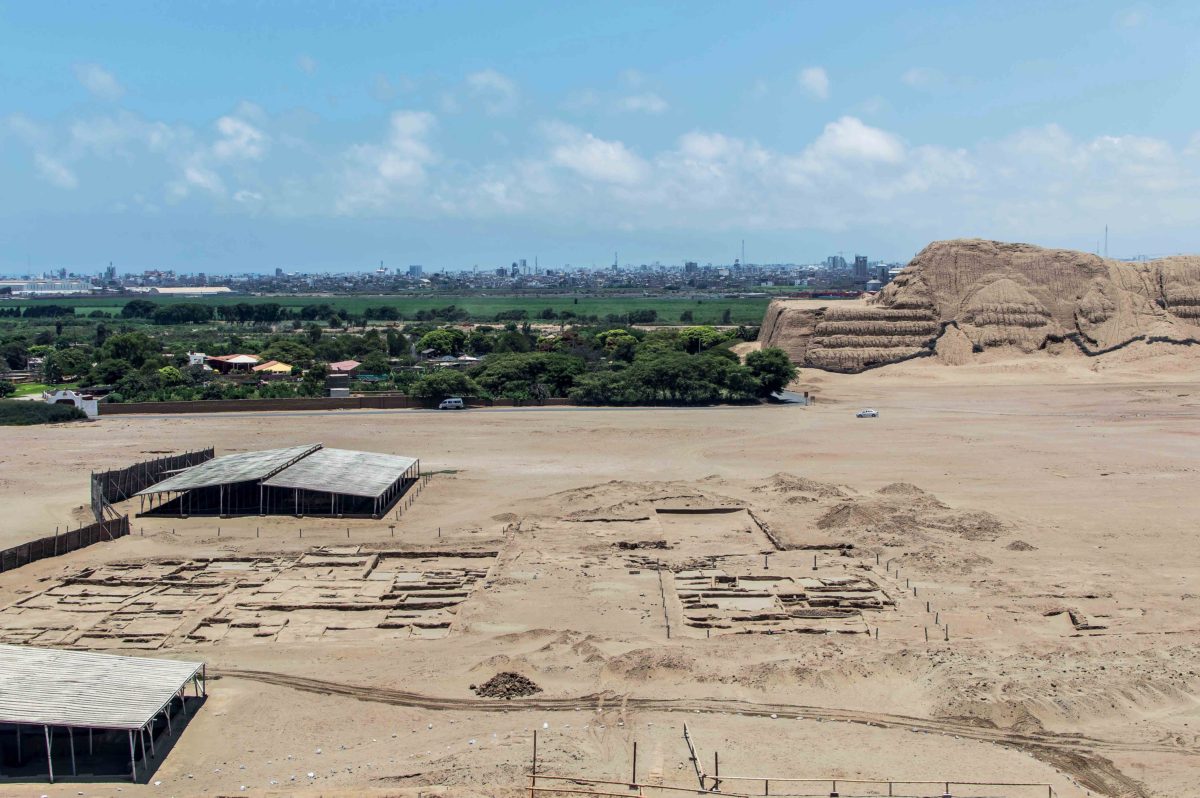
<point>481,308</point>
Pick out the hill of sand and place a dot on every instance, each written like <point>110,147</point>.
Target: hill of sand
<point>958,299</point>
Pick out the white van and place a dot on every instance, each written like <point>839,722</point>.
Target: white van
<point>453,403</point>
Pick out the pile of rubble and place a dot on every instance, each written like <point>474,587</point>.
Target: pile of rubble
<point>506,684</point>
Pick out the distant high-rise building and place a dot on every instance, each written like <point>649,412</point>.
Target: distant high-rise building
<point>516,269</point>
<point>416,270</point>
<point>691,267</point>
<point>860,268</point>
<point>110,274</point>
<point>524,267</point>
<point>278,271</point>
<point>836,262</point>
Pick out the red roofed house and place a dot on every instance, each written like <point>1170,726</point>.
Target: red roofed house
<point>228,364</point>
<point>349,367</point>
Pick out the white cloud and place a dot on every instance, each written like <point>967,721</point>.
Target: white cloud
<point>1040,183</point>
<point>581,100</point>
<point>496,92</point>
<point>376,174</point>
<point>647,102</point>
<point>239,140</point>
<point>200,176</point>
<point>306,64</point>
<point>815,81</point>
<point>1132,17</point>
<point>594,158</point>
<point>99,81</point>
<point>54,171</point>
<point>922,77</point>
<point>849,139</point>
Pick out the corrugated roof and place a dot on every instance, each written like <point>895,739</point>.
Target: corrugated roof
<point>343,471</point>
<point>79,688</point>
<point>242,467</point>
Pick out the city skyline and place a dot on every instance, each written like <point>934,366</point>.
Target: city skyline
<point>221,138</point>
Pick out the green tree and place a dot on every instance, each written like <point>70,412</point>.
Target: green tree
<point>697,339</point>
<point>442,342</point>
<point>442,383</point>
<point>376,362</point>
<point>287,349</point>
<point>169,375</point>
<point>138,309</point>
<point>397,344</point>
<point>772,368</point>
<point>109,371</point>
<point>313,382</point>
<point>134,347</point>
<point>7,388</point>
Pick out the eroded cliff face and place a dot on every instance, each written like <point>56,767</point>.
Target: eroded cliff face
<point>960,297</point>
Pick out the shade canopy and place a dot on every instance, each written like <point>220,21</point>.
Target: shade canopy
<point>48,687</point>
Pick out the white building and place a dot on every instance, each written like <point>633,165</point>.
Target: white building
<point>84,401</point>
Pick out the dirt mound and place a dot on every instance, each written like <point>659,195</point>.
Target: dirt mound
<point>850,514</point>
<point>506,684</point>
<point>783,482</point>
<point>901,489</point>
<point>1020,545</point>
<point>956,298</point>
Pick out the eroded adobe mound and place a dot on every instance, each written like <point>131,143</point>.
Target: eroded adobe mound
<point>958,298</point>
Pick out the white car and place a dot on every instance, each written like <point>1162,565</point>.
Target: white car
<point>867,413</point>
<point>453,403</point>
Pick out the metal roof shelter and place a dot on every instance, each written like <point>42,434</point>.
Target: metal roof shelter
<point>85,690</point>
<point>241,467</point>
<point>299,480</point>
<point>343,471</point>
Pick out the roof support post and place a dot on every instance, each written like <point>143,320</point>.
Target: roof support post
<point>49,757</point>
<point>71,739</point>
<point>167,713</point>
<point>204,680</point>
<point>150,734</point>
<point>20,728</point>
<point>132,759</point>
<point>142,739</point>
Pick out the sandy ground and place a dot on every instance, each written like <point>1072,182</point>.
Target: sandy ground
<point>1044,514</point>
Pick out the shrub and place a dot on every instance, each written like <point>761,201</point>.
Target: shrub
<point>14,412</point>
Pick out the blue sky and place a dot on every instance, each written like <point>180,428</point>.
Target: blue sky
<point>322,136</point>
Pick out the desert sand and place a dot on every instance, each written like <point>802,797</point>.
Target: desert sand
<point>1043,509</point>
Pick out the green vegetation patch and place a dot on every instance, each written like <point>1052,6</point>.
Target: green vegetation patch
<point>14,413</point>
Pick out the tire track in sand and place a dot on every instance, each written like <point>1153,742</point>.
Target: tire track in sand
<point>1073,754</point>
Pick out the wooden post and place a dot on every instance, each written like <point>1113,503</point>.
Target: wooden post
<point>716,771</point>
<point>533,767</point>
<point>633,775</point>
<point>49,757</point>
<point>132,759</point>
